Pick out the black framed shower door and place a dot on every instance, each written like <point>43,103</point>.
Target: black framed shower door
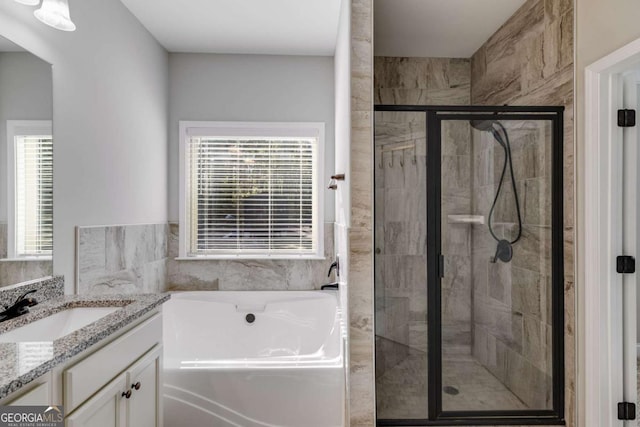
<point>540,245</point>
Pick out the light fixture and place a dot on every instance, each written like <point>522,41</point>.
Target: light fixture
<point>29,2</point>
<point>55,13</point>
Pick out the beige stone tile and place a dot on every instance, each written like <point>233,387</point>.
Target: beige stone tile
<point>361,92</point>
<point>361,170</point>
<point>437,73</point>
<point>459,72</point>
<point>361,57</point>
<point>450,96</point>
<point>566,39</point>
<point>556,90</point>
<point>552,47</point>
<point>401,73</point>
<point>534,62</point>
<point>501,81</point>
<point>553,9</point>
<point>478,67</point>
<point>526,22</point>
<point>362,21</point>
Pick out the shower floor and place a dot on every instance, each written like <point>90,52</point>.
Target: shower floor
<point>402,390</point>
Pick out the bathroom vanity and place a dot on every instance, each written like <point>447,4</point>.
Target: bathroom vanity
<point>105,373</point>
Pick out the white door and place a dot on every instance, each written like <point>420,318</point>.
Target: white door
<point>630,83</point>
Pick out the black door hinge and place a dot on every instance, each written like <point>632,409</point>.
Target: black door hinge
<point>441,265</point>
<point>625,264</point>
<point>626,118</point>
<point>626,411</point>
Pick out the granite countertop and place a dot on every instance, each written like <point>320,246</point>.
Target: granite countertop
<point>23,362</point>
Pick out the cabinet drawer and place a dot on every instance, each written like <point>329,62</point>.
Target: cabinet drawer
<point>89,375</point>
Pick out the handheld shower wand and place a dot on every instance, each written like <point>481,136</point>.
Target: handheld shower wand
<point>504,249</point>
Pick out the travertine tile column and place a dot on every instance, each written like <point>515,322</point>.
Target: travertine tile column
<point>362,384</point>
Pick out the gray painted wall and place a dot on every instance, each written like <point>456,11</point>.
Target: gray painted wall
<point>250,88</point>
<point>110,105</point>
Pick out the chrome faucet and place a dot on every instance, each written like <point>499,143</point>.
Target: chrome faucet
<point>20,307</point>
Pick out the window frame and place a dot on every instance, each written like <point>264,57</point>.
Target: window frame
<point>17,128</point>
<point>249,129</point>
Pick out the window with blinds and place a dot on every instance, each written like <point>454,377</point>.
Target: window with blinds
<point>252,192</point>
<point>33,196</point>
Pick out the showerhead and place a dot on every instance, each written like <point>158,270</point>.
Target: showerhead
<point>483,125</point>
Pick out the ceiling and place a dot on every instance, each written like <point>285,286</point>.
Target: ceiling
<point>275,27</point>
<point>437,28</point>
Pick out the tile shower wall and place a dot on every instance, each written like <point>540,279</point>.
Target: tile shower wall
<point>12,272</point>
<point>122,259</point>
<point>512,301</point>
<point>400,185</point>
<point>233,275</point>
<point>529,61</point>
<point>421,81</point>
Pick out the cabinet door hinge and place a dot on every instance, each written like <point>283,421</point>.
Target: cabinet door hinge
<point>626,118</point>
<point>625,264</point>
<point>626,411</point>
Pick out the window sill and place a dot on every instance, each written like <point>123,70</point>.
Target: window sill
<point>249,258</point>
<point>48,258</point>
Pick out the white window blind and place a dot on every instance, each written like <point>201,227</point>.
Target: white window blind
<point>33,195</point>
<point>251,195</point>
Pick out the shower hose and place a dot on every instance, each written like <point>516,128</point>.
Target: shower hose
<point>506,146</point>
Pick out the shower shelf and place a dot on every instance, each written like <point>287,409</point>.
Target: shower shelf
<point>466,219</point>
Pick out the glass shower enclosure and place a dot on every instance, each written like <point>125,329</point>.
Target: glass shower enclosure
<point>468,265</point>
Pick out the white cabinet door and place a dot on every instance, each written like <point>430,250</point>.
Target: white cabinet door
<point>144,407</point>
<point>105,409</point>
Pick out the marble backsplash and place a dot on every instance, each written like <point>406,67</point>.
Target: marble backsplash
<point>247,274</point>
<point>122,259</point>
<point>142,259</point>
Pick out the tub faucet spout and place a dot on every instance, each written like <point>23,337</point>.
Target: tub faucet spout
<point>335,265</point>
<point>333,285</point>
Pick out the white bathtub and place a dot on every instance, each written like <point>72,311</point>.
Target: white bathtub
<point>285,369</point>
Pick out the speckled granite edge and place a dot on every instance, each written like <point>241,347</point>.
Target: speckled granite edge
<point>21,363</point>
<point>48,288</point>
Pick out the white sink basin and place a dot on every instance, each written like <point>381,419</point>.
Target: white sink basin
<point>57,325</point>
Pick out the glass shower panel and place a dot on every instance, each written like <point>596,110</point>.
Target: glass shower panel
<point>496,198</point>
<point>400,265</point>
